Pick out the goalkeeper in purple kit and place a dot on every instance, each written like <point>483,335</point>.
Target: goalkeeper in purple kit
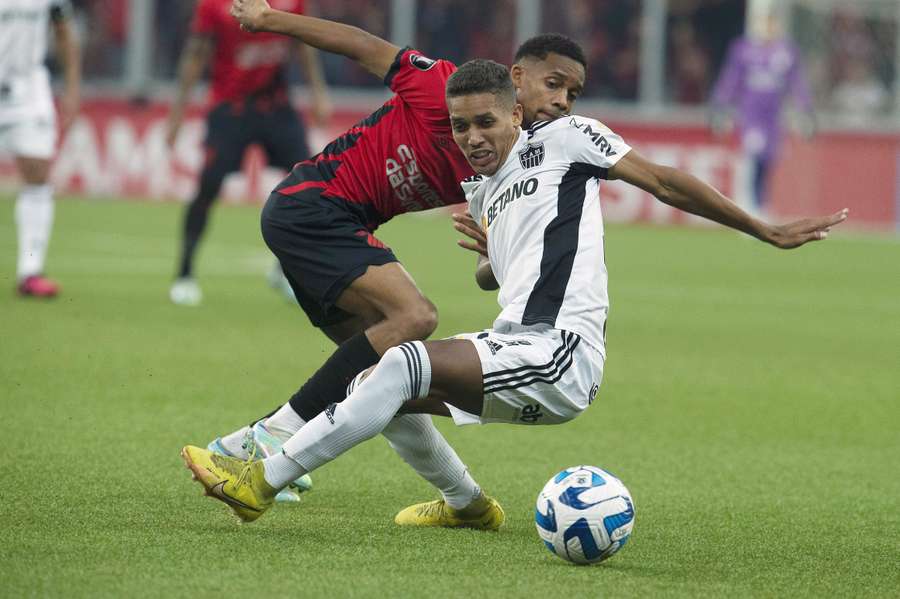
<point>762,70</point>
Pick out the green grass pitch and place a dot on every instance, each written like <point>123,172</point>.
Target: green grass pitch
<point>750,403</point>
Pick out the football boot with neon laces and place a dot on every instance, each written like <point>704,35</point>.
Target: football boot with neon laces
<point>239,484</point>
<point>266,444</point>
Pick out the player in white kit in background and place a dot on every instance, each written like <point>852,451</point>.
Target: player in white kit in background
<point>28,123</point>
<point>542,361</point>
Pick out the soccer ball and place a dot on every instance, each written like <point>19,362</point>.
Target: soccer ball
<point>584,514</point>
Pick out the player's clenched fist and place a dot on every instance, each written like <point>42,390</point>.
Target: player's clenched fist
<point>249,13</point>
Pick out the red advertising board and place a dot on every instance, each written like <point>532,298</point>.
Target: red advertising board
<point>117,149</point>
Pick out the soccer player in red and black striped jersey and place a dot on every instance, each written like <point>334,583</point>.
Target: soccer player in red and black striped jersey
<point>249,104</point>
<point>320,221</point>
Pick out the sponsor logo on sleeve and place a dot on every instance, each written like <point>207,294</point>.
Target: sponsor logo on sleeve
<point>423,63</point>
<point>596,137</point>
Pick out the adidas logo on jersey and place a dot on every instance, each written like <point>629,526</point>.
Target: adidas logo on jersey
<point>531,156</point>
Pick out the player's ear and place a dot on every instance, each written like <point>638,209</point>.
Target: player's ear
<point>518,114</point>
<point>515,73</point>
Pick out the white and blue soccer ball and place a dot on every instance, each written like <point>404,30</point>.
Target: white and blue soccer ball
<point>584,514</point>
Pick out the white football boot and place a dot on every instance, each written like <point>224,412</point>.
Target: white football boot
<point>186,292</point>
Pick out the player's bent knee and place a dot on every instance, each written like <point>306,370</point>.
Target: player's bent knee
<point>373,404</point>
<point>421,322</point>
<point>34,171</point>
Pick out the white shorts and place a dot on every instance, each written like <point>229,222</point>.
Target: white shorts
<point>33,137</point>
<point>27,116</point>
<point>540,376</point>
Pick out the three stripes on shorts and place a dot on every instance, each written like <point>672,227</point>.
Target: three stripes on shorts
<point>523,376</point>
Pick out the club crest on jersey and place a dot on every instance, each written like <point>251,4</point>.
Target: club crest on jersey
<point>531,156</point>
<point>423,63</point>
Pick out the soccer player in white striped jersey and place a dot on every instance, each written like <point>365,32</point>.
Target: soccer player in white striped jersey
<point>28,126</point>
<point>542,361</point>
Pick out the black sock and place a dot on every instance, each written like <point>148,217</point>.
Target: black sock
<point>197,215</point>
<point>186,265</point>
<point>329,384</point>
<point>194,225</point>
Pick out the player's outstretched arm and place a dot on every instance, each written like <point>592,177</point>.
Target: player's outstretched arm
<point>370,51</point>
<point>686,192</point>
<point>484,274</point>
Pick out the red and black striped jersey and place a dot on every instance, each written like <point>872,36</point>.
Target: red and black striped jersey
<point>402,157</point>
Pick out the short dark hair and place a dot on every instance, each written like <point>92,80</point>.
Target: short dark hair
<point>540,46</point>
<point>482,76</point>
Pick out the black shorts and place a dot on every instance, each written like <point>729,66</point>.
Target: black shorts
<point>323,245</point>
<point>232,127</point>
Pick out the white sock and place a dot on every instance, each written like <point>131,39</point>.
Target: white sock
<point>281,470</point>
<point>234,443</point>
<point>34,221</point>
<point>415,439</point>
<point>403,373</point>
<point>285,422</point>
<point>462,493</point>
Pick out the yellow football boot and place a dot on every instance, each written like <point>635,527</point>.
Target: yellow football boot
<point>484,513</point>
<point>238,483</point>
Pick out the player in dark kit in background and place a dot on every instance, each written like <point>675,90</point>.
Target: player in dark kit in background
<point>249,104</point>
<point>320,221</point>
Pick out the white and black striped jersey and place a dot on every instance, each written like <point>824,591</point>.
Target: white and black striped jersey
<point>541,214</point>
<point>24,27</point>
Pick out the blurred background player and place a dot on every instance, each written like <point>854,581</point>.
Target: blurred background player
<point>761,72</point>
<point>28,125</point>
<point>249,103</point>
